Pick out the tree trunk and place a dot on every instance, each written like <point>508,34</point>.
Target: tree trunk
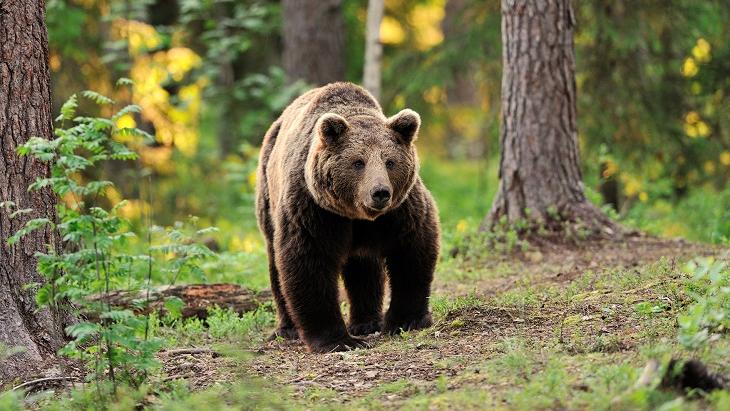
<point>463,88</point>
<point>462,98</point>
<point>540,176</point>
<point>373,48</point>
<point>314,40</point>
<point>25,111</point>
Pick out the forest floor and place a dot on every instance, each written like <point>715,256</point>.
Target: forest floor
<point>555,326</point>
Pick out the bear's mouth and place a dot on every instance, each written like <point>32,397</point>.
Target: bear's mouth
<point>373,212</point>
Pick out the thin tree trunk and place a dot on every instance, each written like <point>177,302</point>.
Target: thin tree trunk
<point>373,48</point>
<point>314,40</point>
<point>462,91</point>
<point>25,111</point>
<point>540,176</point>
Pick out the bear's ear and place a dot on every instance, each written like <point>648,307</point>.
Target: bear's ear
<point>405,123</point>
<point>331,127</point>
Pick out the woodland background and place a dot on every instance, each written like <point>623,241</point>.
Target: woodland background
<point>653,87</point>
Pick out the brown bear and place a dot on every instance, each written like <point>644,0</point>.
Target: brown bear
<point>338,192</point>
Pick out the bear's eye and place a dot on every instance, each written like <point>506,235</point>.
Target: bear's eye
<point>358,165</point>
<point>390,164</point>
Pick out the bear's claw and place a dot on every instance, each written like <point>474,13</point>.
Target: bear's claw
<point>287,333</point>
<point>365,328</point>
<point>397,325</point>
<point>344,344</point>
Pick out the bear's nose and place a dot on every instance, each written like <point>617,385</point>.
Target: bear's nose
<point>380,195</point>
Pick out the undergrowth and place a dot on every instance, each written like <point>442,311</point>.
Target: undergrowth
<point>95,259</point>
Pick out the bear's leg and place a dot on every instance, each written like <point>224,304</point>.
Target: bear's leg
<point>363,278</point>
<point>410,271</point>
<point>309,282</point>
<point>285,327</point>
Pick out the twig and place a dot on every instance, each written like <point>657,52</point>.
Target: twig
<point>181,351</point>
<point>149,256</point>
<point>42,380</point>
<point>177,376</point>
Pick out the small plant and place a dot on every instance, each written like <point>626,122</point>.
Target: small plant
<point>648,309</point>
<point>120,346</point>
<point>709,316</point>
<point>183,250</point>
<point>227,323</point>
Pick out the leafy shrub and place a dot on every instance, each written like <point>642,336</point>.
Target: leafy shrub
<point>227,323</point>
<point>709,316</point>
<point>95,261</point>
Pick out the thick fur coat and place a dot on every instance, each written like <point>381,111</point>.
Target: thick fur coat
<point>338,193</point>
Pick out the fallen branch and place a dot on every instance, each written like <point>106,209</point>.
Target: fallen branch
<point>182,351</point>
<point>29,386</point>
<point>196,298</point>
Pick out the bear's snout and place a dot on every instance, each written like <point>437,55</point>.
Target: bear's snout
<point>380,196</point>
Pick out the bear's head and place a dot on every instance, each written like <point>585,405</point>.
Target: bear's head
<point>363,166</point>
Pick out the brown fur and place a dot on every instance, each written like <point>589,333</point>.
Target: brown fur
<point>338,192</point>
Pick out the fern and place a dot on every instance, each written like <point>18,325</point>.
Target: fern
<point>97,98</point>
<point>129,109</point>
<point>124,81</point>
<point>68,109</point>
<point>134,132</point>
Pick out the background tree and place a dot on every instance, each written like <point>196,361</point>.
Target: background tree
<point>314,40</point>
<point>540,175</point>
<point>462,90</point>
<point>25,111</point>
<point>373,47</point>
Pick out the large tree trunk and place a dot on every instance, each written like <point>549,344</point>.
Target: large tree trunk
<point>314,40</point>
<point>540,176</point>
<point>25,111</point>
<point>373,48</point>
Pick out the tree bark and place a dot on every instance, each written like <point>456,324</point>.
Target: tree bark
<point>314,40</point>
<point>25,111</point>
<point>373,48</point>
<point>540,175</point>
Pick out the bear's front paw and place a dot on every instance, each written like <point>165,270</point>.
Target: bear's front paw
<point>346,343</point>
<point>287,333</point>
<point>394,324</point>
<point>365,328</point>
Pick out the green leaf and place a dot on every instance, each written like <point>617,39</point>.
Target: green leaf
<point>21,212</point>
<point>117,315</point>
<point>43,296</point>
<point>124,81</point>
<point>68,110</point>
<point>134,132</point>
<point>28,228</point>
<point>174,306</point>
<point>83,330</point>
<point>97,98</point>
<point>132,108</point>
